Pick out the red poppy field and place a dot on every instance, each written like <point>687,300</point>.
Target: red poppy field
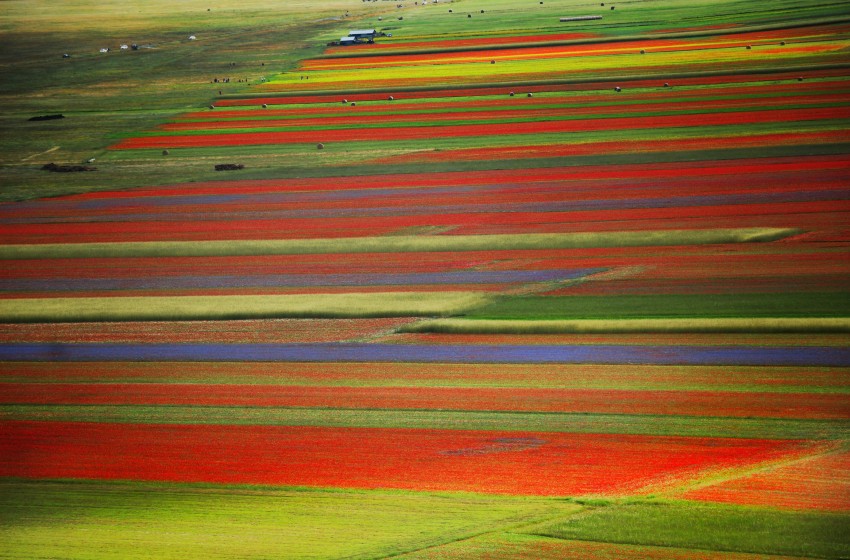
<point>510,281</point>
<point>490,462</point>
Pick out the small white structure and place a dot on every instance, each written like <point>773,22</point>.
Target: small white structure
<point>580,18</point>
<point>192,37</point>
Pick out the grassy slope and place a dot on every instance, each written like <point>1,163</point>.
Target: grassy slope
<point>179,521</point>
<point>107,95</point>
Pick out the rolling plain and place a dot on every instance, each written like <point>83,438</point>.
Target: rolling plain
<point>496,285</point>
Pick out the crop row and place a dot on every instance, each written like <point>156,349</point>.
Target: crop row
<point>781,179</point>
<point>800,39</point>
<point>593,401</point>
<point>705,119</point>
<point>552,96</point>
<point>760,80</point>
<point>647,377</point>
<point>472,114</point>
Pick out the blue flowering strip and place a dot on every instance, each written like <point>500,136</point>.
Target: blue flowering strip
<point>522,354</point>
<point>472,277</point>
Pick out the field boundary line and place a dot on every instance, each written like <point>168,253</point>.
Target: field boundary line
<point>817,449</point>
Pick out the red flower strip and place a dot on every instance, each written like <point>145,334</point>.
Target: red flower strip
<point>420,132</point>
<point>522,463</point>
<point>818,483</point>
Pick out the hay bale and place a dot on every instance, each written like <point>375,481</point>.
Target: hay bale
<point>666,84</point>
<point>229,166</point>
<point>165,152</point>
<point>511,94</point>
<point>265,106</point>
<point>212,107</point>
<point>345,101</point>
<point>800,79</point>
<point>642,51</point>
<point>749,47</point>
<point>617,89</point>
<point>492,62</point>
<point>66,168</point>
<point>320,146</point>
<point>353,104</point>
<point>47,117</point>
<point>782,43</point>
<point>530,95</point>
<point>391,98</point>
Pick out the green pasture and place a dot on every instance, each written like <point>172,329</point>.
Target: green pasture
<point>103,95</point>
<point>433,22</point>
<point>753,305</point>
<point>710,527</point>
<point>634,424</point>
<point>76,519</point>
<point>669,325</point>
<point>79,519</point>
<point>512,545</point>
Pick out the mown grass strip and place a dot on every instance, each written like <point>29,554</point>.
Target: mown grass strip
<point>710,527</point>
<point>737,306</point>
<point>768,428</point>
<point>395,244</point>
<point>602,326</point>
<point>171,308</point>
